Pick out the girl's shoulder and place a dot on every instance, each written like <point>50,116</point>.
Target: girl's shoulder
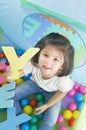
<point>65,83</point>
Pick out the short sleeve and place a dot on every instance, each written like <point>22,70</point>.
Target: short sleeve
<point>27,68</point>
<point>66,84</point>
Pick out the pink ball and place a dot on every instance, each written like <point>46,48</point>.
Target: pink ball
<point>62,128</point>
<point>60,119</point>
<point>76,86</point>
<point>71,92</point>
<point>82,89</point>
<point>72,106</point>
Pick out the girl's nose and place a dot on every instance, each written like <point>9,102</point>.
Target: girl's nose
<point>49,62</point>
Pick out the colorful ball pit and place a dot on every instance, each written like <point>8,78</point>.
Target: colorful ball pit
<point>72,106</point>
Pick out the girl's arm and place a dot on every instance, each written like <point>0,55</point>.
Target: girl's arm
<point>53,100</point>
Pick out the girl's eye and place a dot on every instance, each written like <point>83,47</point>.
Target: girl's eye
<point>56,59</point>
<point>45,55</point>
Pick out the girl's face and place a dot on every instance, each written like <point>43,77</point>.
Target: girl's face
<point>50,61</point>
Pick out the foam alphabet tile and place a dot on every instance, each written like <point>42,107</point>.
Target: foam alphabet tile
<point>6,93</point>
<point>18,63</point>
<point>12,120</point>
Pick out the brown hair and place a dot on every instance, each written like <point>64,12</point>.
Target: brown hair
<point>63,45</point>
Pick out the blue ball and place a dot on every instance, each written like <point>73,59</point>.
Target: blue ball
<point>27,77</point>
<point>41,115</point>
<point>79,105</point>
<point>79,97</point>
<point>25,126</point>
<point>24,102</point>
<point>19,52</point>
<point>3,60</point>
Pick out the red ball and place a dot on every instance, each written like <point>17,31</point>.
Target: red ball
<point>2,55</point>
<point>70,122</point>
<point>33,102</point>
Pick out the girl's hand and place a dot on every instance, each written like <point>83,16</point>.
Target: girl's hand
<point>8,73</point>
<point>40,109</point>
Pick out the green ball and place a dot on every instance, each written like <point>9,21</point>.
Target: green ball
<point>39,96</point>
<point>40,103</point>
<point>34,120</point>
<point>33,127</point>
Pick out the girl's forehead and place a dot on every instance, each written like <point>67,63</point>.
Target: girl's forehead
<point>53,50</point>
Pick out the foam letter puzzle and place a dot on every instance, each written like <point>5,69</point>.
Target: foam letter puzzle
<point>6,93</point>
<point>12,120</point>
<point>16,62</point>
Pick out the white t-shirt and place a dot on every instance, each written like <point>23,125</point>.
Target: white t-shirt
<point>55,83</point>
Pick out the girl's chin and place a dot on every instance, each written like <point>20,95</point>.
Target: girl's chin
<point>46,76</point>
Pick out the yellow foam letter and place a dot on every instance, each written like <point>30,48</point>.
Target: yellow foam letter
<point>16,62</point>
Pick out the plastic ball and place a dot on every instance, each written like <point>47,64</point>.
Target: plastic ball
<point>33,102</point>
<point>39,96</point>
<point>25,126</point>
<point>82,89</point>
<point>4,84</point>
<point>41,115</point>
<point>2,55</point>
<point>71,92</point>
<point>76,86</point>
<point>3,60</point>
<point>19,52</point>
<point>27,109</point>
<point>76,114</point>
<point>40,103</point>
<point>85,97</point>
<point>60,119</point>
<point>67,114</point>
<point>70,122</point>
<point>62,128</point>
<point>79,105</point>
<point>19,81</point>
<point>33,127</point>
<point>79,97</point>
<point>72,106</point>
<point>27,77</point>
<point>34,119</point>
<point>24,102</point>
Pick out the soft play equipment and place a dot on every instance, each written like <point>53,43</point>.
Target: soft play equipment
<point>22,24</point>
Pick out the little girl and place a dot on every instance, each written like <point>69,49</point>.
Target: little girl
<point>50,68</point>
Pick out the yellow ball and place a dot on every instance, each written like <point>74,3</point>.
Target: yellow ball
<point>67,114</point>
<point>4,84</point>
<point>76,114</point>
<point>85,97</point>
<point>19,81</point>
<point>27,109</point>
